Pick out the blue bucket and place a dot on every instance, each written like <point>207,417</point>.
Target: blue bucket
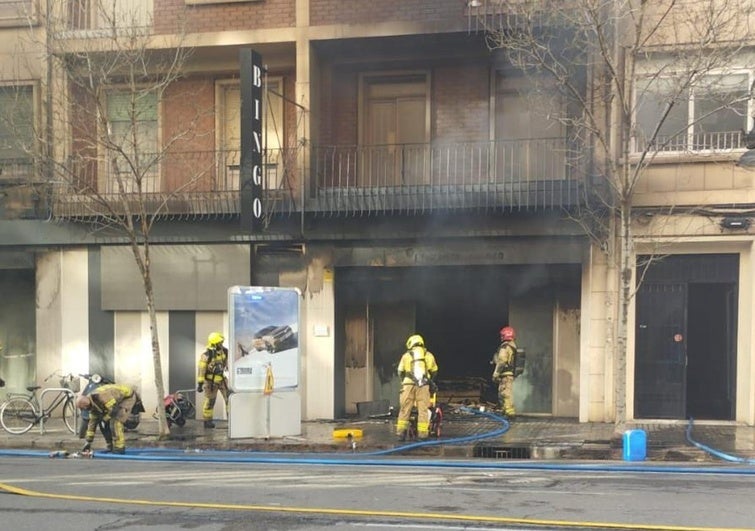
<point>635,445</point>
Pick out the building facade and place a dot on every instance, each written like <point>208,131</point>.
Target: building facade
<point>410,185</point>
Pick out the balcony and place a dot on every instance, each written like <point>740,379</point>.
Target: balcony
<point>514,175</point>
<point>718,142</point>
<point>497,15</point>
<point>174,185</point>
<point>16,171</point>
<point>19,191</point>
<point>97,18</point>
<point>414,179</point>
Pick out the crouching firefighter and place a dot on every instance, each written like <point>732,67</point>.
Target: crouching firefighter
<point>118,405</point>
<point>417,369</point>
<point>211,376</point>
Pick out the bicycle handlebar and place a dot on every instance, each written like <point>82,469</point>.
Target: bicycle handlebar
<point>65,379</point>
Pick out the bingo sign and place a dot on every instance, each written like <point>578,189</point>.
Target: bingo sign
<point>251,77</point>
<point>264,338</point>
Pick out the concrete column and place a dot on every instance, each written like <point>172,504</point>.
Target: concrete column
<point>595,375</point>
<point>62,310</point>
<point>318,322</point>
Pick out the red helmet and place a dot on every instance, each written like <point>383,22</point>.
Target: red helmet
<point>507,334</point>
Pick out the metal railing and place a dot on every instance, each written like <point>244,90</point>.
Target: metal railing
<point>530,174</point>
<point>499,15</point>
<point>94,18</point>
<point>719,141</point>
<point>414,178</point>
<point>16,170</point>
<point>171,184</point>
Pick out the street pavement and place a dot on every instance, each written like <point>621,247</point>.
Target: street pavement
<point>465,433</point>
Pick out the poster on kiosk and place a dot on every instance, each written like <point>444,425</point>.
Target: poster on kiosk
<point>264,361</point>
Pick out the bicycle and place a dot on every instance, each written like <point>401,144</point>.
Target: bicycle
<point>21,411</point>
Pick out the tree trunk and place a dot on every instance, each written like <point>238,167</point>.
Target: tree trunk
<point>143,261</point>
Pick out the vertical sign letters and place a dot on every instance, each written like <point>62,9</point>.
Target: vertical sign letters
<point>251,77</point>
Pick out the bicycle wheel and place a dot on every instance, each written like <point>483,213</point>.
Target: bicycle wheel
<point>18,415</point>
<point>69,415</point>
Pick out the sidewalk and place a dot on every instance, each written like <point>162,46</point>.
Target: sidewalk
<point>526,438</point>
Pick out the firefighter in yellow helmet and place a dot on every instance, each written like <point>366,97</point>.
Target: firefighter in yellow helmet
<point>505,365</point>
<point>113,403</point>
<point>417,368</point>
<point>211,375</point>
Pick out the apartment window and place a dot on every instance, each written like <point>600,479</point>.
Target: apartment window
<point>229,141</point>
<point>709,116</point>
<point>132,127</point>
<point>394,129</point>
<point>529,129</point>
<point>16,131</point>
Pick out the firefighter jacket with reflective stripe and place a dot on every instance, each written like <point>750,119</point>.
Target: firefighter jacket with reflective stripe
<point>212,365</point>
<point>109,401</point>
<point>505,362</point>
<point>417,366</point>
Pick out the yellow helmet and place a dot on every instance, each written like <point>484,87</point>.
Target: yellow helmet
<point>215,338</point>
<point>415,340</point>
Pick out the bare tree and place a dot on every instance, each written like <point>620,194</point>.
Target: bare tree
<point>624,73</point>
<point>108,77</point>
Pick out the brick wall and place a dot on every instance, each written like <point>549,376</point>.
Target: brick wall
<point>172,15</point>
<point>323,12</point>
<point>460,103</point>
<point>338,120</point>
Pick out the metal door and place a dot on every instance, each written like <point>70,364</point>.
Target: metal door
<point>661,352</point>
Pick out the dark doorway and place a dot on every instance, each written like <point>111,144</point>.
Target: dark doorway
<point>685,355</point>
<point>710,352</point>
<point>457,309</point>
<point>660,359</point>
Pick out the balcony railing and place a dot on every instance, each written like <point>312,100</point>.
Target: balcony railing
<point>713,142</point>
<point>416,178</point>
<point>174,184</point>
<point>16,170</point>
<point>95,18</point>
<point>534,174</point>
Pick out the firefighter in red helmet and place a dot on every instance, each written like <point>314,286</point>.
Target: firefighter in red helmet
<point>505,365</point>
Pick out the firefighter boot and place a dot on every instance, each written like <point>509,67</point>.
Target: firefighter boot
<point>401,436</point>
<point>119,451</point>
<point>209,424</point>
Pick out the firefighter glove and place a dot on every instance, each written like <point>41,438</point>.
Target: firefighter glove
<point>433,387</point>
<point>496,377</point>
<point>199,388</point>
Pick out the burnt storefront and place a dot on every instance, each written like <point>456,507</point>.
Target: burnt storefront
<point>459,310</point>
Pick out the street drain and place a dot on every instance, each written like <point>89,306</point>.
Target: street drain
<point>502,452</point>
